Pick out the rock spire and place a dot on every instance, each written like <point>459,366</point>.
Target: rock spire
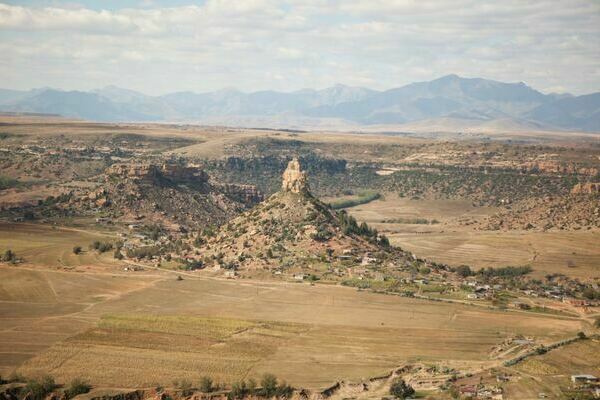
<point>294,179</point>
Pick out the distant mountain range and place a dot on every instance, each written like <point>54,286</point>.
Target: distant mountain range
<point>468,102</point>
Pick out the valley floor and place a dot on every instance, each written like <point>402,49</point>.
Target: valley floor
<point>138,329</point>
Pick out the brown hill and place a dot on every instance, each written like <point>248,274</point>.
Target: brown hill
<point>177,197</point>
<point>292,228</point>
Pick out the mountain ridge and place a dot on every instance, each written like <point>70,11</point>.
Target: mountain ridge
<point>451,96</point>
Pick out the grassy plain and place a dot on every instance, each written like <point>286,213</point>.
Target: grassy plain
<point>46,245</point>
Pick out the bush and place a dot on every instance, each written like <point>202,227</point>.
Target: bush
<point>9,256</point>
<point>284,391</point>
<point>464,271</point>
<point>269,385</point>
<point>238,390</point>
<point>76,387</point>
<point>206,384</point>
<point>400,389</point>
<point>7,182</point>
<point>38,390</point>
<point>185,386</point>
<point>118,255</point>
<point>77,250</point>
<point>322,234</point>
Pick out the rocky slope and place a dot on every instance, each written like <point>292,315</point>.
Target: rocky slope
<point>293,228</point>
<point>578,210</point>
<point>177,197</point>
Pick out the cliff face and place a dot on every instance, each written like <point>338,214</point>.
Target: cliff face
<point>586,188</point>
<point>152,173</point>
<point>175,196</point>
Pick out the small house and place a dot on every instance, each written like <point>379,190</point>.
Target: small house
<point>583,379</point>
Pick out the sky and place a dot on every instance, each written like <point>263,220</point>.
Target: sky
<point>159,46</point>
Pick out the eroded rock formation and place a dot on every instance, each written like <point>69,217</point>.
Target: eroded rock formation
<point>294,179</point>
<point>586,188</point>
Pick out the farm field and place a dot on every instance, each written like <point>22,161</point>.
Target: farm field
<point>138,324</point>
<point>573,253</point>
<point>49,246</point>
<point>332,328</point>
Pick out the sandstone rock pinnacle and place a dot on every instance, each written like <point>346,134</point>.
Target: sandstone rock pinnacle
<point>294,179</point>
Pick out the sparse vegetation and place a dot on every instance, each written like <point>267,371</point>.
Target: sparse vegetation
<point>400,389</point>
<point>362,198</point>
<point>39,389</point>
<point>76,387</point>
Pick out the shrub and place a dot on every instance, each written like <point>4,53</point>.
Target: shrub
<point>238,390</point>
<point>77,250</point>
<point>464,271</point>
<point>38,390</point>
<point>284,391</point>
<point>76,387</point>
<point>269,385</point>
<point>206,384</point>
<point>322,234</point>
<point>400,389</point>
<point>185,386</point>
<point>9,256</point>
<point>118,255</point>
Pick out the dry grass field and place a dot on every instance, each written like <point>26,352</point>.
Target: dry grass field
<point>550,372</point>
<point>574,253</point>
<point>143,328</point>
<point>53,246</point>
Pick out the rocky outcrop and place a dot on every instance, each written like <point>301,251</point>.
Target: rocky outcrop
<point>586,188</point>
<point>555,167</point>
<point>152,173</point>
<point>294,179</point>
<point>134,172</point>
<point>247,194</point>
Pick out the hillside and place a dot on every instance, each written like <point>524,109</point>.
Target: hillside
<point>175,197</point>
<point>449,103</point>
<point>292,228</point>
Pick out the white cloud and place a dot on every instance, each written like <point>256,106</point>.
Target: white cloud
<point>268,44</point>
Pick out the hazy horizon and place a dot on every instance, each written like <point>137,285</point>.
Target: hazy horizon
<point>158,46</point>
<point>266,89</point>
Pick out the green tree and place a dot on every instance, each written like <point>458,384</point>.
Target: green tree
<point>400,389</point>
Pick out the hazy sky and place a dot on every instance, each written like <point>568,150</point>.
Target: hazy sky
<point>159,46</point>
